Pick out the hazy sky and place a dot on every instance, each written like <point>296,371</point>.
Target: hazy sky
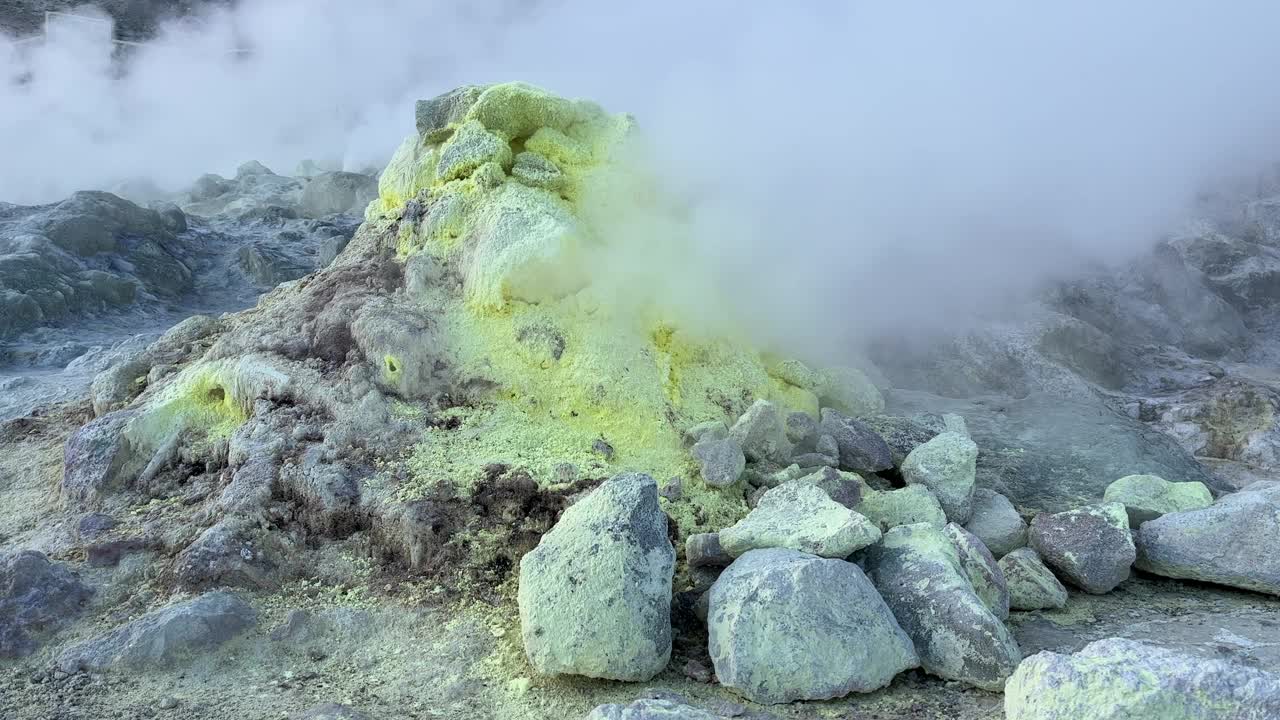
<point>861,163</point>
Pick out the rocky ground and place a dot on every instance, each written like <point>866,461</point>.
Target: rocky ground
<point>434,473</point>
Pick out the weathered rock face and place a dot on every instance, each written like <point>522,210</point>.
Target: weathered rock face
<point>1229,543</point>
<point>904,506</point>
<point>800,517</point>
<point>773,612</point>
<point>165,636</point>
<point>36,596</point>
<point>918,573</point>
<point>860,448</point>
<point>1147,497</point>
<point>1031,585</point>
<point>947,466</point>
<point>332,193</point>
<point>1118,679</point>
<point>996,523</point>
<point>1053,454</point>
<point>595,595</point>
<point>981,569</point>
<point>1090,546</point>
<point>762,433</point>
<point>1231,418</point>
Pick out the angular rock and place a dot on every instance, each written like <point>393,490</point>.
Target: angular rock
<point>800,517</point>
<point>720,460</point>
<point>860,448</point>
<point>595,595</point>
<point>712,429</point>
<point>784,626</point>
<point>1031,585</point>
<point>1090,546</point>
<point>165,636</point>
<point>904,506</point>
<point>981,569</point>
<point>1147,497</point>
<point>98,460</point>
<point>704,550</point>
<point>947,466</point>
<point>918,573</point>
<point>762,433</point>
<point>228,553</point>
<point>36,596</point>
<point>996,523</point>
<point>904,434</point>
<point>1231,542</point>
<point>469,148</point>
<point>845,488</point>
<point>435,116</point>
<point>802,429</point>
<point>1118,679</point>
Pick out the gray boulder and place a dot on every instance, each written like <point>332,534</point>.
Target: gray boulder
<point>981,569</point>
<point>860,448</point>
<point>947,466</point>
<point>784,626</point>
<point>904,434</point>
<point>849,391</point>
<point>1053,454</point>
<point>36,596</point>
<point>337,192</point>
<point>230,553</point>
<point>1090,546</point>
<point>1231,543</point>
<point>165,636</point>
<point>996,523</point>
<point>98,460</point>
<point>595,595</point>
<point>1118,679</point>
<point>918,573</point>
<point>1031,585</point>
<point>843,487</point>
<point>762,433</point>
<point>704,550</point>
<point>1147,497</point>
<point>435,117</point>
<point>801,517</point>
<point>720,460</point>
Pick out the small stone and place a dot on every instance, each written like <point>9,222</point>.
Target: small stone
<point>565,473</point>
<point>673,490</point>
<point>802,429</point>
<point>1032,586</point>
<point>800,517</point>
<point>602,447</point>
<point>947,465</point>
<point>1090,546</point>
<point>714,429</point>
<point>168,703</point>
<point>996,523</point>
<point>697,672</point>
<point>721,461</point>
<point>1147,497</point>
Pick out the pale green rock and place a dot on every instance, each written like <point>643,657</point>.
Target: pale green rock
<point>1147,497</point>
<point>1118,679</point>
<point>849,391</point>
<point>800,517</point>
<point>981,569</point>
<point>919,574</point>
<point>904,506</point>
<point>595,595</point>
<point>784,626</point>
<point>1032,586</point>
<point>947,465</point>
<point>535,170</point>
<point>469,148</point>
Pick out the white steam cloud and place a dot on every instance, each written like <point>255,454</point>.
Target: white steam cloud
<point>861,165</point>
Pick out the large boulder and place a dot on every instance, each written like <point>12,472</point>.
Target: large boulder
<point>980,567</point>
<point>947,466</point>
<point>1031,585</point>
<point>36,596</point>
<point>996,523</point>
<point>1053,454</point>
<point>1090,546</point>
<point>784,626</point>
<point>1118,679</point>
<point>99,460</point>
<point>903,506</point>
<point>595,595</point>
<point>801,517</point>
<point>1147,497</point>
<point>1232,542</point>
<point>860,448</point>
<point>919,574</point>
<point>165,636</point>
<point>762,433</point>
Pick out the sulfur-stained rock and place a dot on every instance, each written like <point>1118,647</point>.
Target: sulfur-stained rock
<point>1118,679</point>
<point>947,466</point>
<point>720,460</point>
<point>1031,585</point>
<point>1090,546</point>
<point>595,595</point>
<point>904,506</point>
<point>849,391</point>
<point>800,517</point>
<point>762,433</point>
<point>980,567</point>
<point>917,570</point>
<point>784,625</point>
<point>1147,497</point>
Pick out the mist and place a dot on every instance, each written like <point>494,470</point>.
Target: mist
<point>854,167</point>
